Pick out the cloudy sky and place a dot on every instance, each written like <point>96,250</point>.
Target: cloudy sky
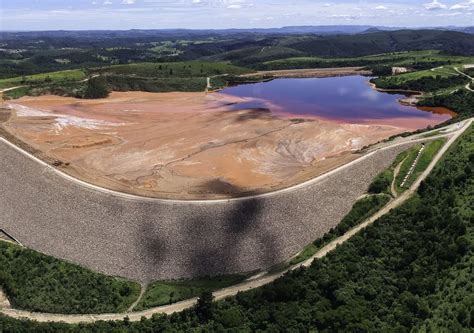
<point>197,14</point>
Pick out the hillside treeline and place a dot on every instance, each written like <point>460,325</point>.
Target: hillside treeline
<point>425,83</point>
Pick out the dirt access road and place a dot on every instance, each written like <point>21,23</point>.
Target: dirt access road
<point>310,72</point>
<point>252,282</point>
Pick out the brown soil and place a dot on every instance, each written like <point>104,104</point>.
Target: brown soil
<point>312,72</point>
<point>182,145</point>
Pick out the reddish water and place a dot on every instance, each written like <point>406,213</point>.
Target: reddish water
<point>348,99</point>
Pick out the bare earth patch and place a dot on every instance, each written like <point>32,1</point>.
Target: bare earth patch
<point>311,72</point>
<point>184,145</point>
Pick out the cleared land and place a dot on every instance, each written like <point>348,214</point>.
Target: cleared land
<point>184,145</point>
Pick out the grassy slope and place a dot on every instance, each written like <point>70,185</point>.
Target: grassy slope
<point>167,292</point>
<point>426,156</point>
<point>383,181</point>
<point>172,69</point>
<point>72,75</point>
<point>412,58</point>
<point>37,282</point>
<point>151,77</point>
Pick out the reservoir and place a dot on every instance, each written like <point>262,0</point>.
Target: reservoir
<point>347,99</point>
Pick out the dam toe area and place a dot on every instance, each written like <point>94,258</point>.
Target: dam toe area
<point>149,240</point>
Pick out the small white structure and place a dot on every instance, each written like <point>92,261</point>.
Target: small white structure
<point>399,70</point>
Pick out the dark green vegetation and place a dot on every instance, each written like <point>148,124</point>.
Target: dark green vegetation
<point>381,64</point>
<point>441,87</point>
<point>362,210</point>
<point>165,77</point>
<point>461,101</point>
<point>383,181</point>
<point>37,79</point>
<point>182,60</point>
<point>96,88</point>
<point>66,83</point>
<point>167,292</point>
<point>25,53</point>
<point>425,83</point>
<point>36,282</point>
<point>410,271</point>
<point>171,69</point>
<point>98,82</point>
<point>60,88</point>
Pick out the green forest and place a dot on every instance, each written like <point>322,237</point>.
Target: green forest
<point>37,282</point>
<point>426,83</point>
<point>409,271</point>
<point>22,54</point>
<point>461,101</point>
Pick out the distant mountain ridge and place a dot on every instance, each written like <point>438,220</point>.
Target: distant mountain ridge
<point>310,29</point>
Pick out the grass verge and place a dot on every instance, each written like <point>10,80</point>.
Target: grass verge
<point>383,181</point>
<point>426,156</point>
<point>167,292</point>
<point>69,75</point>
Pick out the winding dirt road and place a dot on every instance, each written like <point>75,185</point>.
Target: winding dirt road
<point>467,86</point>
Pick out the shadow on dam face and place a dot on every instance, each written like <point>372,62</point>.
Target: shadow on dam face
<point>209,251</point>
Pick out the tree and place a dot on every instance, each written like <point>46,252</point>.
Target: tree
<point>96,88</point>
<point>204,306</point>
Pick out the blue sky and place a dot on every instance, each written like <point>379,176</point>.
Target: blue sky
<point>198,14</point>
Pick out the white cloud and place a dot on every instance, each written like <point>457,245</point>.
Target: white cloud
<point>435,5</point>
<point>381,8</point>
<point>128,2</point>
<point>469,5</point>
<point>107,2</point>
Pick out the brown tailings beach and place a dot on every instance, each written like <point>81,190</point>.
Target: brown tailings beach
<point>311,72</point>
<point>184,145</point>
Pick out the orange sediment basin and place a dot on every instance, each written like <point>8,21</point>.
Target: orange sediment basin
<point>191,145</point>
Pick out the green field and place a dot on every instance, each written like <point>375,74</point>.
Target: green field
<point>150,77</point>
<point>383,181</point>
<point>68,75</point>
<point>167,292</point>
<point>417,59</point>
<point>36,282</point>
<point>430,150</point>
<point>172,69</point>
